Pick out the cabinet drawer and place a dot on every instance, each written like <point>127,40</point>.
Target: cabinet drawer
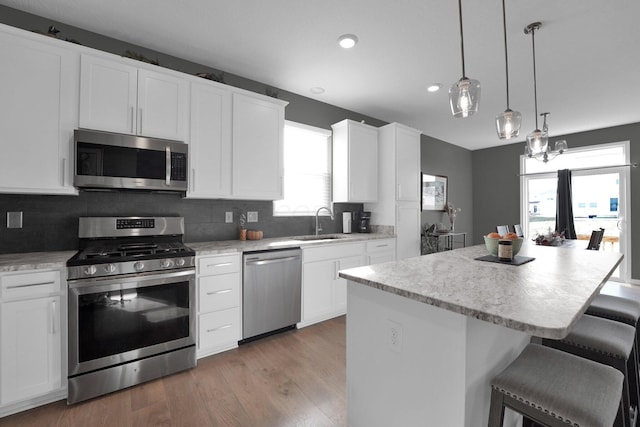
<point>31,284</point>
<point>220,328</point>
<point>382,245</point>
<point>219,292</point>
<point>326,252</point>
<point>219,264</point>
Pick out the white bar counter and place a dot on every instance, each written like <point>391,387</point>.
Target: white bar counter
<point>425,335</point>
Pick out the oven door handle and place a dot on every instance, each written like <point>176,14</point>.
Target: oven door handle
<point>84,286</point>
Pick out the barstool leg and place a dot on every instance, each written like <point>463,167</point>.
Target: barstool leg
<point>496,410</point>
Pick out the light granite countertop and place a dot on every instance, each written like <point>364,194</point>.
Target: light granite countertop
<point>544,297</point>
<point>34,260</point>
<point>44,260</point>
<point>226,246</point>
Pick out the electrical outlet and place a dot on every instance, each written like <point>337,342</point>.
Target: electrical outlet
<point>228,217</point>
<point>394,335</point>
<point>252,216</point>
<point>14,219</point>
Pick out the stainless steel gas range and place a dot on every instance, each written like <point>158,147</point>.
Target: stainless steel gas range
<point>131,304</point>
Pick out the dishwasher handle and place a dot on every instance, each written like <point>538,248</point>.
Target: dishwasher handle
<point>271,261</point>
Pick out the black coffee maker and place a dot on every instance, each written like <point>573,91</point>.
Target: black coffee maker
<point>363,223</point>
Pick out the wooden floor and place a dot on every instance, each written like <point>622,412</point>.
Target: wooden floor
<point>296,378</point>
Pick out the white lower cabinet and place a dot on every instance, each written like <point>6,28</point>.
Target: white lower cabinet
<point>379,251</point>
<point>324,294</point>
<point>32,335</point>
<point>219,320</point>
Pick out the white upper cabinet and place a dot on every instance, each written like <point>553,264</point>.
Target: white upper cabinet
<point>38,113</point>
<point>210,141</point>
<point>407,147</point>
<point>108,95</point>
<point>355,162</point>
<point>117,96</point>
<point>258,137</point>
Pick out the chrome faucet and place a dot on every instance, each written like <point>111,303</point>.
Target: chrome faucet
<point>318,228</point>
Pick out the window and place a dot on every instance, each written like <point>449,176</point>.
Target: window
<point>307,170</point>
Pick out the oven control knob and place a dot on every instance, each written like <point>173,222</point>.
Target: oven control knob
<point>138,266</point>
<point>90,270</point>
<point>180,262</point>
<point>109,268</point>
<point>166,263</point>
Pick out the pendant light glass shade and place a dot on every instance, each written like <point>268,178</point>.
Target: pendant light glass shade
<point>538,142</point>
<point>508,124</point>
<point>464,97</point>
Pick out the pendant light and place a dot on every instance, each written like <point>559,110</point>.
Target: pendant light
<point>464,95</point>
<point>507,123</point>
<point>538,141</point>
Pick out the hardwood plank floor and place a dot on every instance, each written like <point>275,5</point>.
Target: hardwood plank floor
<point>296,378</point>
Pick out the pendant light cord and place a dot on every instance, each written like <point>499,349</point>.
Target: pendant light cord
<point>464,76</point>
<point>506,59</point>
<point>535,84</point>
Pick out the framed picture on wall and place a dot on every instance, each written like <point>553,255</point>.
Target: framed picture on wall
<point>434,192</point>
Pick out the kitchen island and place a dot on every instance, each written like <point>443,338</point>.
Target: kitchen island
<point>425,335</point>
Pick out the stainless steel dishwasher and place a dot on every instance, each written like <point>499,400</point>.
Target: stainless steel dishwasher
<point>272,282</point>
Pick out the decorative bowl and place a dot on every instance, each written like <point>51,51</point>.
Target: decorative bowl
<point>492,245</point>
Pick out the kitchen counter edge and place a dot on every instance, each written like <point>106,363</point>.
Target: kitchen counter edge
<point>58,259</point>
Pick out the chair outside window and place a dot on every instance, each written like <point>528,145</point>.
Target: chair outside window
<point>502,229</point>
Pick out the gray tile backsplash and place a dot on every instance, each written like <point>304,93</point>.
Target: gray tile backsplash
<point>50,223</point>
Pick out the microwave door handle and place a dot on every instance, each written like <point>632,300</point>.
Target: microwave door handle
<point>168,166</point>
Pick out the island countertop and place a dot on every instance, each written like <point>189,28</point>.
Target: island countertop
<point>544,297</point>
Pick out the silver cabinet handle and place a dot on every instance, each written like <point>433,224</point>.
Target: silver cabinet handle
<point>28,285</point>
<point>223,291</point>
<point>220,328</point>
<point>133,121</point>
<point>53,317</point>
<point>222,264</point>
<point>140,120</point>
<point>168,165</point>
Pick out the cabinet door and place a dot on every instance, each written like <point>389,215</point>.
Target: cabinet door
<point>38,83</point>
<point>108,95</point>
<point>317,293</point>
<point>258,131</point>
<point>162,105</point>
<point>210,141</point>
<point>363,164</point>
<point>407,164</point>
<point>31,348</point>
<point>408,230</point>
<point>340,284</point>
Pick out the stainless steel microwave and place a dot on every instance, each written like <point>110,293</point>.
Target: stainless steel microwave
<point>117,161</point>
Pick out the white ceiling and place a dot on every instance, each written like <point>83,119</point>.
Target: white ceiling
<point>587,54</point>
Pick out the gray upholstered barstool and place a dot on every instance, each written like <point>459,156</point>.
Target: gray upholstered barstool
<point>604,341</point>
<point>557,389</point>
<point>625,310</point>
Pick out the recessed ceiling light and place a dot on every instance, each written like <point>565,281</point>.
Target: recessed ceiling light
<point>317,90</point>
<point>434,87</point>
<point>347,41</point>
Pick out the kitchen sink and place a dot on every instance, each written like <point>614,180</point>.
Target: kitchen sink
<point>319,237</point>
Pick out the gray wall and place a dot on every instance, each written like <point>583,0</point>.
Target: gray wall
<point>440,158</point>
<point>496,195</point>
<point>51,222</point>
